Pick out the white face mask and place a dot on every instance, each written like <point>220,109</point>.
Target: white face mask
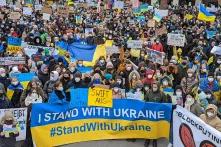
<point>155,89</point>
<point>3,74</point>
<point>146,88</point>
<point>72,69</point>
<point>77,79</point>
<point>190,75</point>
<point>14,83</point>
<point>209,96</point>
<point>149,76</point>
<point>116,89</point>
<point>165,83</point>
<point>60,88</point>
<point>210,79</point>
<point>179,93</point>
<point>219,61</point>
<point>119,81</point>
<point>128,68</point>
<point>209,114</point>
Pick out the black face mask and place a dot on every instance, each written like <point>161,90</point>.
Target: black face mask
<point>8,122</point>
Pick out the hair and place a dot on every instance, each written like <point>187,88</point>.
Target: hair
<point>57,84</point>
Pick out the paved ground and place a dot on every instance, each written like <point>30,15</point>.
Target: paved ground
<point>116,143</point>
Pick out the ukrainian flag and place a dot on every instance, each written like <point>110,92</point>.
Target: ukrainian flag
<point>204,15</point>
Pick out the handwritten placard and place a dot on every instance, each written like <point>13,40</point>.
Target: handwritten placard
<point>12,60</point>
<point>176,39</point>
<point>137,44</point>
<point>112,49</point>
<point>100,97</point>
<point>14,15</point>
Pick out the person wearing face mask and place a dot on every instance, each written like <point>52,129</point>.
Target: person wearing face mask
<point>101,63</point>
<point>189,82</point>
<point>209,83</point>
<point>157,46</point>
<point>4,77</point>
<point>119,80</point>
<point>178,96</point>
<point>86,80</point>
<point>77,81</point>
<point>67,83</point>
<point>149,77</point>
<point>4,102</point>
<point>32,94</point>
<point>210,97</point>
<point>16,89</point>
<point>210,117</point>
<point>116,91</point>
<point>49,85</point>
<point>72,68</point>
<point>192,105</point>
<point>134,78</point>
<point>167,87</point>
<point>157,96</point>
<point>96,80</point>
<point>58,95</point>
<point>43,74</point>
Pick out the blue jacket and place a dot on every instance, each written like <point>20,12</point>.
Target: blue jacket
<point>204,85</point>
<point>54,99</point>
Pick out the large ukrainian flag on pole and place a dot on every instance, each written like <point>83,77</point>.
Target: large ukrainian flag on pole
<point>204,15</point>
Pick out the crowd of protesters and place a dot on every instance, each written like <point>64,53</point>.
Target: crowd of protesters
<point>190,76</point>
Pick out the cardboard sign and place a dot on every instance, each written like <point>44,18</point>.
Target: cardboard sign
<point>111,50</point>
<point>27,11</point>
<point>162,13</point>
<point>161,31</point>
<point>118,5</point>
<point>151,23</point>
<point>14,15</point>
<point>155,56</point>
<point>176,39</point>
<point>46,16</point>
<point>20,116</point>
<point>47,9</point>
<point>136,44</point>
<point>12,60</point>
<point>100,97</point>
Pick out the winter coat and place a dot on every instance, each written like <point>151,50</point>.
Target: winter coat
<point>43,77</point>
<point>5,103</point>
<point>188,84</point>
<point>157,47</point>
<point>205,85</point>
<point>157,96</point>
<point>215,122</point>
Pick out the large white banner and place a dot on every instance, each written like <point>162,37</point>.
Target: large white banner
<point>20,116</point>
<point>176,39</point>
<point>190,131</point>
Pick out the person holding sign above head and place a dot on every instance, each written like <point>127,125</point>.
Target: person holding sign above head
<point>58,95</point>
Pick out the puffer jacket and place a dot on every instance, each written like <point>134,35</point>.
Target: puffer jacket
<point>215,122</point>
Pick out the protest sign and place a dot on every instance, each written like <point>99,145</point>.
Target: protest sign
<point>38,7</point>
<point>46,16</point>
<point>162,13</point>
<point>12,60</point>
<point>47,9</point>
<point>2,2</point>
<point>210,34</point>
<point>135,52</point>
<point>20,116</point>
<point>112,49</point>
<point>155,56</point>
<point>118,4</point>
<point>216,50</point>
<point>31,50</point>
<point>79,97</point>
<point>14,44</point>
<point>100,97</point>
<point>136,44</point>
<point>151,23</point>
<point>190,131</point>
<point>27,11</point>
<point>127,119</point>
<point>176,39</point>
<point>161,31</point>
<point>14,15</point>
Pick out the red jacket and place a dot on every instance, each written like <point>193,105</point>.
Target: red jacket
<point>157,47</point>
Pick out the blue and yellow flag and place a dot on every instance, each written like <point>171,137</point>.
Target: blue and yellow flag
<point>204,15</point>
